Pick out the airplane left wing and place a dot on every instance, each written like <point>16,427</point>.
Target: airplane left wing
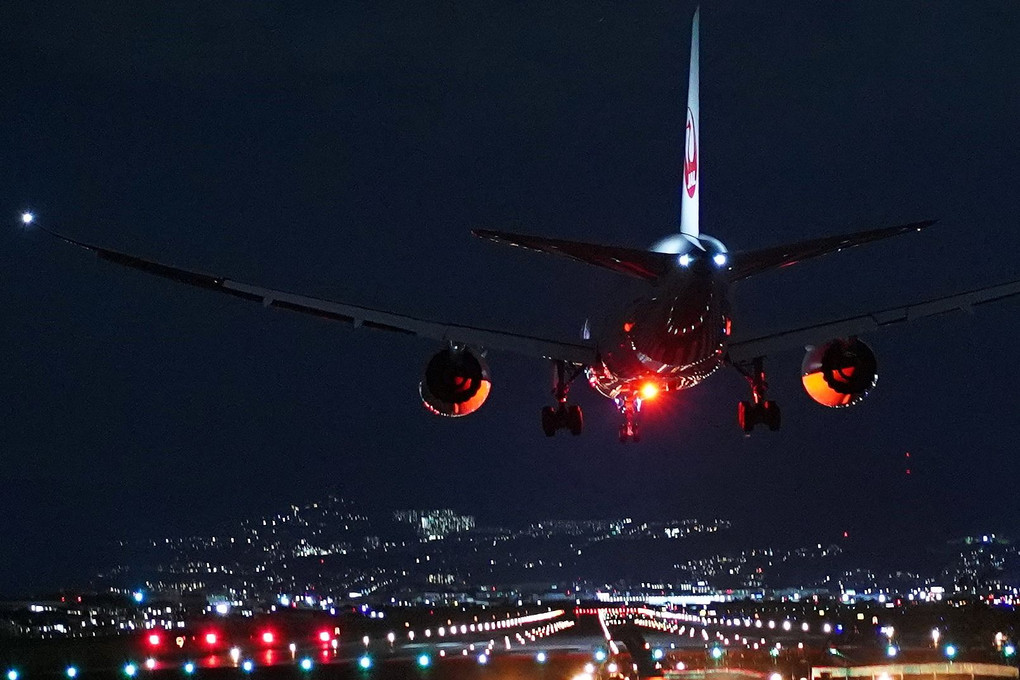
<point>354,315</point>
<point>742,349</point>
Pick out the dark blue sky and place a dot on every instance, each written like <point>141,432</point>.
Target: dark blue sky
<point>346,151</point>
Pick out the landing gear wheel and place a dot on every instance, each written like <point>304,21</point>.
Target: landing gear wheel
<point>574,419</point>
<point>759,409</point>
<point>563,416</point>
<point>549,421</point>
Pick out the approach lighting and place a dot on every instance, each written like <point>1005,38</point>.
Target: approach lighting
<point>649,390</point>
<point>365,662</point>
<point>130,670</point>
<point>306,664</point>
<point>189,668</point>
<point>424,660</point>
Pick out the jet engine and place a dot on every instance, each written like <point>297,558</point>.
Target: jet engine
<point>840,372</point>
<point>456,383</point>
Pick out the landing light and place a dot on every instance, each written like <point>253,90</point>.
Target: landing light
<point>719,259</point>
<point>684,260</point>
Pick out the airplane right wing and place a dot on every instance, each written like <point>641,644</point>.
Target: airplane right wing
<point>742,349</point>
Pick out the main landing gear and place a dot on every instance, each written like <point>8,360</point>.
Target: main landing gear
<point>759,409</point>
<point>563,416</point>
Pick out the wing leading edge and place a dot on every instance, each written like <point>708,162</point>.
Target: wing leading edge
<point>816,333</point>
<point>353,315</point>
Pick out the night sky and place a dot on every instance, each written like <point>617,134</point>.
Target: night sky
<point>346,150</point>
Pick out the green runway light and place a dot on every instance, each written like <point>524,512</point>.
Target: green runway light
<point>130,670</point>
<point>12,674</point>
<point>189,668</point>
<point>950,651</point>
<point>424,661</point>
<point>365,662</point>
<point>1009,650</point>
<point>716,653</point>
<point>306,664</point>
<point>71,672</point>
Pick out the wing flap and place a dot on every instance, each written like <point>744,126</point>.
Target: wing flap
<point>749,263</point>
<point>641,264</point>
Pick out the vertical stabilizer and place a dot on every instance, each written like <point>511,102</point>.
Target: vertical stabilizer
<point>691,189</point>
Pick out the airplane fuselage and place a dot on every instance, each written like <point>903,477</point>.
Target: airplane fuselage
<point>671,339</point>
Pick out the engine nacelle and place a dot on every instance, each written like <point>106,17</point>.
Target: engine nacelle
<point>840,372</point>
<point>456,383</point>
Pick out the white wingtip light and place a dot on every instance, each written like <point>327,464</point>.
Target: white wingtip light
<point>27,218</point>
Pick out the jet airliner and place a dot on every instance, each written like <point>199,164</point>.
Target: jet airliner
<point>672,338</point>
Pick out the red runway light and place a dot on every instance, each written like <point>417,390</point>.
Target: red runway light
<point>268,637</point>
<point>324,636</point>
<point>154,639</point>
<point>211,639</point>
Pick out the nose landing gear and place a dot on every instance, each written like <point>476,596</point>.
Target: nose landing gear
<point>759,409</point>
<point>563,416</point>
<point>630,407</point>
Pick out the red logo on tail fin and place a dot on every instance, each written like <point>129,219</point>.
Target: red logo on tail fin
<point>691,156</point>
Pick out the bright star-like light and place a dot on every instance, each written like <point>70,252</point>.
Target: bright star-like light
<point>719,259</point>
<point>684,260</point>
<point>27,218</point>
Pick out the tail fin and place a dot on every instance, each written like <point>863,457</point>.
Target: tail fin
<point>692,175</point>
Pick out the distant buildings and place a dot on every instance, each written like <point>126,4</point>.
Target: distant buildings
<point>435,525</point>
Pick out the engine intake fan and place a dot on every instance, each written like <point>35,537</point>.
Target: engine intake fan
<point>839,373</point>
<point>456,383</point>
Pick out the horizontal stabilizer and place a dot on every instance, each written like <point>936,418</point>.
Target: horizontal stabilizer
<point>641,264</point>
<point>751,262</point>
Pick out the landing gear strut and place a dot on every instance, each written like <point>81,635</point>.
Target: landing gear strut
<point>563,416</point>
<point>630,407</point>
<point>759,409</point>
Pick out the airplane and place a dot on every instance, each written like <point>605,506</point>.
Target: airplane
<point>674,336</point>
